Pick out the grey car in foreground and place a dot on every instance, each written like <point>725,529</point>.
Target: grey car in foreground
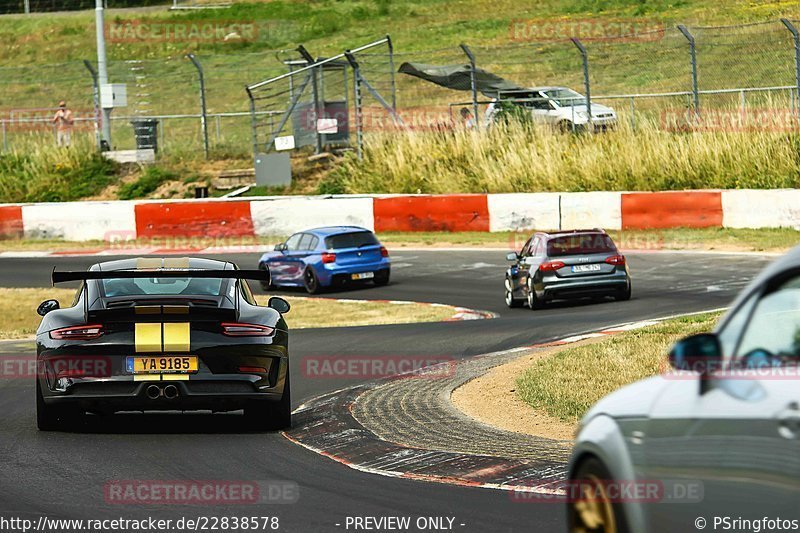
<point>566,265</point>
<point>716,436</point>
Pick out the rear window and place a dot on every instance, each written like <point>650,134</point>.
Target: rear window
<point>161,287</point>
<point>584,244</point>
<point>350,240</point>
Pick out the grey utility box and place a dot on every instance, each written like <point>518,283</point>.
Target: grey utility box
<point>273,170</point>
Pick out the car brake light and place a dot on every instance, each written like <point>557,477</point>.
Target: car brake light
<point>616,260</point>
<point>235,329</point>
<point>328,257</point>
<point>550,266</point>
<point>77,333</point>
<point>384,252</point>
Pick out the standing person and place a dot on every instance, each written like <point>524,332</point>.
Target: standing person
<point>466,116</point>
<point>63,121</point>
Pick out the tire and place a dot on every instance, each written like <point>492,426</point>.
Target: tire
<point>310,281</point>
<point>509,296</point>
<point>265,285</point>
<point>381,277</point>
<point>624,294</point>
<point>564,126</point>
<point>532,300</point>
<point>51,418</point>
<point>590,514</point>
<point>271,415</point>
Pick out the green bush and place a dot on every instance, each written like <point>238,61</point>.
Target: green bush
<point>148,182</point>
<point>39,173</point>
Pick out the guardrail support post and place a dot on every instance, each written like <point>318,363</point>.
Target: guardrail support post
<point>357,96</point>
<point>586,83</point>
<point>693,55</point>
<point>796,37</point>
<point>204,115</point>
<point>472,82</point>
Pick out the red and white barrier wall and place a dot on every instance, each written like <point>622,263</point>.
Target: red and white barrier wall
<point>457,212</point>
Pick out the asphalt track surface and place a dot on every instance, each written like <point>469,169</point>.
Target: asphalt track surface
<point>62,475</point>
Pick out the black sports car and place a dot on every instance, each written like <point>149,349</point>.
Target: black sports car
<point>163,334</point>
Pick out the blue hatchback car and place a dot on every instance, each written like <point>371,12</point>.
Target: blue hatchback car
<point>325,257</point>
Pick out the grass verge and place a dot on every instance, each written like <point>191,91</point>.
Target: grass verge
<point>519,157</point>
<point>721,239</point>
<point>569,382</point>
<point>18,318</point>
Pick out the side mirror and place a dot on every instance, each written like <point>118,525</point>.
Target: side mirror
<point>512,256</point>
<point>699,353</point>
<point>279,304</point>
<point>47,306</point>
<point>281,247</point>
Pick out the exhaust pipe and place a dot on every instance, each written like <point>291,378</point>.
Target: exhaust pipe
<point>170,392</point>
<point>153,392</point>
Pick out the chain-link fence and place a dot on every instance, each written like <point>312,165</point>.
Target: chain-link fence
<point>689,72</point>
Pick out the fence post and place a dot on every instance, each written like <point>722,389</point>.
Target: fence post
<point>472,81</point>
<point>693,55</point>
<point>253,119</point>
<point>204,115</point>
<point>796,37</point>
<point>96,100</point>
<point>633,113</point>
<point>391,71</point>
<point>315,91</point>
<point>357,96</point>
<point>586,83</point>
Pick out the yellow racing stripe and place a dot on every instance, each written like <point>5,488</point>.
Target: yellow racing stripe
<point>176,337</point>
<point>147,337</point>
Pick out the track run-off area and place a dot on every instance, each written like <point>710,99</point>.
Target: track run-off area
<point>65,475</point>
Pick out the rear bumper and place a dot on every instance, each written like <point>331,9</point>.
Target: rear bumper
<point>215,392</point>
<point>591,286</point>
<point>335,274</point>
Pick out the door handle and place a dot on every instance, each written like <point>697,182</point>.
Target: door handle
<point>789,421</point>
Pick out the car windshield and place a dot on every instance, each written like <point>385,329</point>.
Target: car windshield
<point>584,244</point>
<point>565,97</point>
<point>356,239</point>
<point>116,287</point>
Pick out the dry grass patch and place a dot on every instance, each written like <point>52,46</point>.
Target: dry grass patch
<point>18,318</point>
<point>567,384</point>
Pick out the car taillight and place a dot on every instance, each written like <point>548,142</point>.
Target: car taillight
<point>235,329</point>
<point>77,333</point>
<point>616,260</point>
<point>384,252</point>
<point>328,257</point>
<point>550,266</point>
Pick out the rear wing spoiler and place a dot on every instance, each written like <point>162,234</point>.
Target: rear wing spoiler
<point>63,277</point>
